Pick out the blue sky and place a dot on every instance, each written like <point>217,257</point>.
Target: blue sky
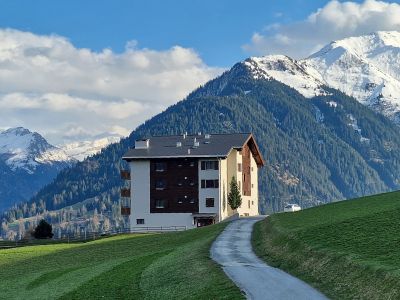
<point>66,70</point>
<point>215,29</point>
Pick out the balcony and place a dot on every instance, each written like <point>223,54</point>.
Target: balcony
<point>125,192</point>
<point>125,175</point>
<point>125,210</point>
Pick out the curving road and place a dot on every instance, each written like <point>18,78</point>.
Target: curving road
<point>233,251</point>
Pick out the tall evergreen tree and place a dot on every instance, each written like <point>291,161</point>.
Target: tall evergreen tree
<point>234,197</point>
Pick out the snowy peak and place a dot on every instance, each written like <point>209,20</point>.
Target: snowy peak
<point>81,150</point>
<point>22,149</point>
<point>295,74</point>
<point>365,67</point>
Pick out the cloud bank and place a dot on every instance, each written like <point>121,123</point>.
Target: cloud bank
<point>336,20</point>
<point>67,93</point>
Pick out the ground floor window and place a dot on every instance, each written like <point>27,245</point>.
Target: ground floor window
<point>139,221</point>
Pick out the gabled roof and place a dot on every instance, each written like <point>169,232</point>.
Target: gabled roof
<point>217,145</point>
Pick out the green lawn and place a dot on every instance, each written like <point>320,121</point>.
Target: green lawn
<point>159,266</point>
<point>348,250</point>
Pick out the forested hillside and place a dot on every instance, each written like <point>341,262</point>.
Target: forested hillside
<point>317,150</point>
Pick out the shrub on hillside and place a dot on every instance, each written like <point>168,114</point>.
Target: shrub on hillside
<point>43,231</point>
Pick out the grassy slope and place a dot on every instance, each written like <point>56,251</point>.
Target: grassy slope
<point>348,250</point>
<point>165,266</point>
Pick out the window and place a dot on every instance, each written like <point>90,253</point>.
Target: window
<point>161,184</point>
<point>180,200</point>
<point>192,164</point>
<point>139,221</point>
<point>180,182</point>
<point>209,165</point>
<point>249,204</point>
<point>160,166</point>
<point>192,183</point>
<point>209,183</point>
<point>240,186</point>
<point>160,203</point>
<point>252,169</point>
<point>239,167</point>
<point>252,185</point>
<point>192,201</point>
<point>209,202</point>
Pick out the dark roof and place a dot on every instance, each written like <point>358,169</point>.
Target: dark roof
<point>218,145</point>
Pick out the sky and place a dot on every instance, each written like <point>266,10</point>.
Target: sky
<point>73,70</point>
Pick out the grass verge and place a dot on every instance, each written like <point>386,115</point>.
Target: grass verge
<point>347,250</point>
<point>159,266</point>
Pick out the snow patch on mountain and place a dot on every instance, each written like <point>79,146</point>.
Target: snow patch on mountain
<point>23,149</point>
<point>295,74</point>
<point>83,149</point>
<point>365,67</point>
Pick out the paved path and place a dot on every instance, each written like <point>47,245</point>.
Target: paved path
<point>232,249</point>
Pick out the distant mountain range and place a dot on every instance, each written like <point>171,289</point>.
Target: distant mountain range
<point>28,162</point>
<point>320,144</point>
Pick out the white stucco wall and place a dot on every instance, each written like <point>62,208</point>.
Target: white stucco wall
<point>208,192</point>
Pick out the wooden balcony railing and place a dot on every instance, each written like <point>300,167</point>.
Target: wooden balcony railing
<point>125,192</point>
<point>125,210</point>
<point>125,175</point>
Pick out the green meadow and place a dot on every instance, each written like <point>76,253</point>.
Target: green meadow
<point>348,250</point>
<point>157,266</point>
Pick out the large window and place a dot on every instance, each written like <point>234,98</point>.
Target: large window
<point>209,183</point>
<point>209,165</point>
<point>160,166</point>
<point>161,184</point>
<point>210,202</point>
<point>161,203</point>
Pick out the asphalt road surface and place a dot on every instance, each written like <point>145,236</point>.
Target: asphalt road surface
<point>233,251</point>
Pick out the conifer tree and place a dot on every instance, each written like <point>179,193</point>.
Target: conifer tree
<point>234,198</point>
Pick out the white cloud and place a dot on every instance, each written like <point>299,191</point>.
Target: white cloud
<point>48,85</point>
<point>335,20</point>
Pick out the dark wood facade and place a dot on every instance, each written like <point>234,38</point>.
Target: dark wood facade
<point>174,186</point>
<point>246,170</point>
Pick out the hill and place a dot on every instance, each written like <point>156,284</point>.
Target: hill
<point>318,150</point>
<point>162,266</point>
<point>348,250</point>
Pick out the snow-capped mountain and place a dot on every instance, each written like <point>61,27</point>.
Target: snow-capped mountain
<point>365,67</point>
<point>26,150</point>
<point>27,163</point>
<point>81,150</point>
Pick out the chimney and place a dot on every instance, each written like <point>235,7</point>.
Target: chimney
<point>178,144</point>
<point>199,133</point>
<point>142,144</point>
<point>207,136</point>
<point>195,143</point>
<point>189,151</point>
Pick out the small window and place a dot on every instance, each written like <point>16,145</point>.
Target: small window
<point>180,182</point>
<point>252,169</point>
<point>160,203</point>
<point>210,165</point>
<point>161,184</point>
<point>139,221</point>
<point>239,167</point>
<point>209,184</point>
<point>192,201</point>
<point>249,204</point>
<point>180,200</point>
<point>209,202</point>
<point>252,185</point>
<point>192,163</point>
<point>240,186</point>
<point>252,202</point>
<point>160,166</point>
<point>192,183</point>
